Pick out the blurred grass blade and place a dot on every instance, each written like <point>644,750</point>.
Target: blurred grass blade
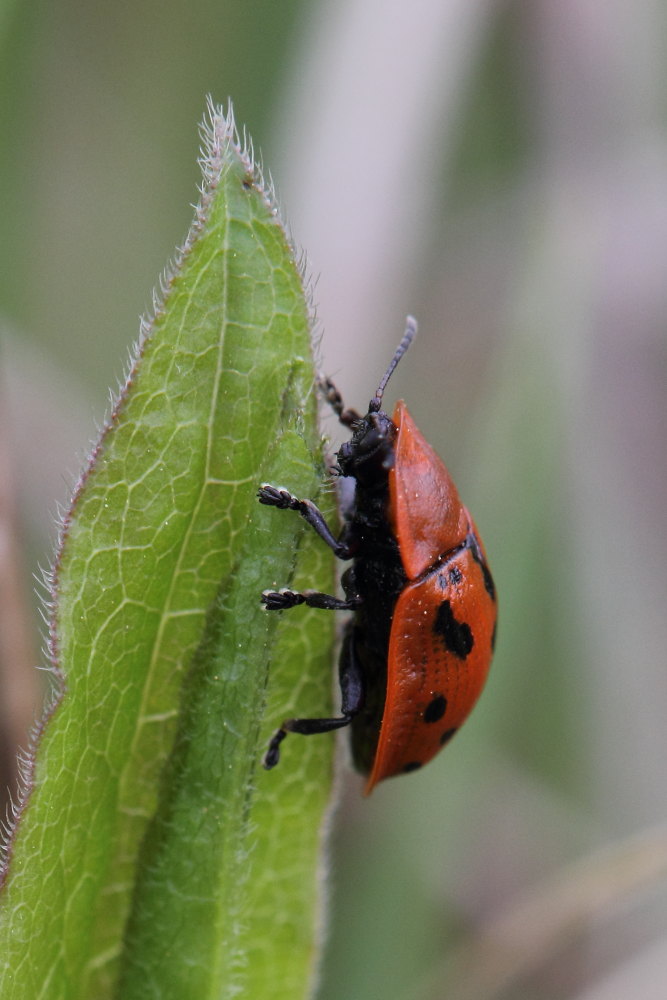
<point>151,857</point>
<point>542,921</point>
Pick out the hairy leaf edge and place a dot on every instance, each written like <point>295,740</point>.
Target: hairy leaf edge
<point>218,134</point>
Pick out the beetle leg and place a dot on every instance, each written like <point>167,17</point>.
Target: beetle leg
<point>352,699</point>
<point>282,600</point>
<point>273,496</point>
<point>349,675</point>
<point>347,417</point>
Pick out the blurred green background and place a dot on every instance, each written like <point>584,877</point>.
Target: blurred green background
<point>499,169</point>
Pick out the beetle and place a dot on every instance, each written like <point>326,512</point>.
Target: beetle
<point>416,653</point>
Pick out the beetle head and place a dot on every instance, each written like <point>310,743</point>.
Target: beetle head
<point>369,454</point>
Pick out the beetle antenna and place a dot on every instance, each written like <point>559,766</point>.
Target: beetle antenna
<point>406,340</point>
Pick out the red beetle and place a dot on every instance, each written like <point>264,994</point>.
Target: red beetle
<point>417,651</point>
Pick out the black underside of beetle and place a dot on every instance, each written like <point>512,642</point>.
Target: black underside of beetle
<point>377,576</point>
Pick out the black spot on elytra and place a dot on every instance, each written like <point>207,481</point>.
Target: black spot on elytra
<point>435,710</point>
<point>457,635</point>
<point>450,578</point>
<point>489,585</point>
<point>414,765</point>
<point>446,736</point>
<point>473,544</point>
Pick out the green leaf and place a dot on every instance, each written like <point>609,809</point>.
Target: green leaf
<point>153,856</point>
